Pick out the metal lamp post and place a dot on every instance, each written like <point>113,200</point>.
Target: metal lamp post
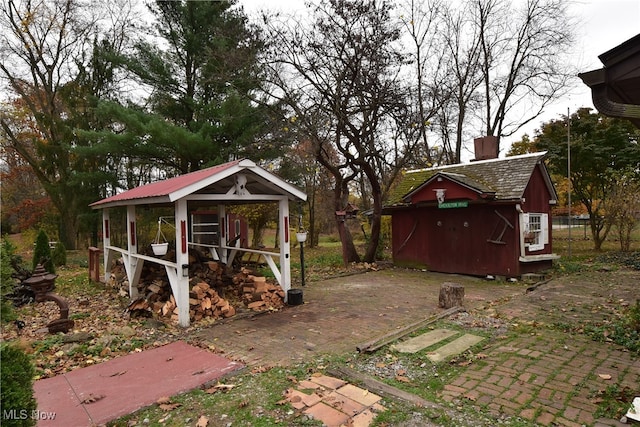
<point>302,237</point>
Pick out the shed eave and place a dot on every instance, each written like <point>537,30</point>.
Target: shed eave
<point>199,185</point>
<point>282,185</point>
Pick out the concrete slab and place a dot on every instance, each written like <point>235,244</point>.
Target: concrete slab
<point>347,406</point>
<point>456,346</point>
<point>106,391</point>
<point>634,412</point>
<point>415,344</point>
<point>364,418</point>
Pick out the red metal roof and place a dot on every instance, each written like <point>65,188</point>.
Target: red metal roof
<point>168,186</point>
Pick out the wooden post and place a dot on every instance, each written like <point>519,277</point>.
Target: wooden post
<point>451,295</point>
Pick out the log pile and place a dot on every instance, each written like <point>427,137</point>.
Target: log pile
<point>257,293</point>
<point>215,292</point>
<point>204,301</point>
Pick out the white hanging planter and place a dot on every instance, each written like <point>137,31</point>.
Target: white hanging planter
<point>160,244</point>
<point>159,248</point>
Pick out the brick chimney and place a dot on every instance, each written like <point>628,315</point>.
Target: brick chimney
<point>486,147</point>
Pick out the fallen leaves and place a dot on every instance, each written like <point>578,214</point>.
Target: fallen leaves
<point>166,404</point>
<point>92,398</point>
<point>100,333</point>
<point>402,379</point>
<point>219,387</point>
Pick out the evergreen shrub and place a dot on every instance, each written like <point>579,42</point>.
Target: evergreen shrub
<point>17,372</point>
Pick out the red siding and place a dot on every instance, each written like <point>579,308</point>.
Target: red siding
<point>456,240</point>
<point>454,191</point>
<point>474,240</point>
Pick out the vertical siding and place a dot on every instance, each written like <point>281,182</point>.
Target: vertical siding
<point>456,240</point>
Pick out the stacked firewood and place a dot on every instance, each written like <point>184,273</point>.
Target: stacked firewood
<point>204,301</point>
<point>257,293</point>
<point>214,291</point>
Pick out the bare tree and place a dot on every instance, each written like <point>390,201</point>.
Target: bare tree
<point>342,81</point>
<point>524,51</point>
<point>47,48</point>
<point>462,50</point>
<point>428,74</point>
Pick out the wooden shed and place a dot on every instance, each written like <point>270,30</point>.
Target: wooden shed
<point>236,182</point>
<point>487,217</point>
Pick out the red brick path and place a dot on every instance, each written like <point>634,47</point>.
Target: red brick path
<point>550,378</point>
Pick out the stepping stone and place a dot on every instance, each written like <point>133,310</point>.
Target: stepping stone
<point>456,346</point>
<point>362,396</point>
<point>415,344</point>
<point>328,382</point>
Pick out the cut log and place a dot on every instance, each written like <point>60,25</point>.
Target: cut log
<point>451,295</point>
<point>230,312</point>
<point>155,288</point>
<point>256,305</point>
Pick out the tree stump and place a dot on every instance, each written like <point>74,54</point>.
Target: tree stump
<point>451,295</point>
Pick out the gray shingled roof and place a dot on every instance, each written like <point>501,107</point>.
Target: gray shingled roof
<point>507,178</point>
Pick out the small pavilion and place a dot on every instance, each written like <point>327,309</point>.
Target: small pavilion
<point>232,183</point>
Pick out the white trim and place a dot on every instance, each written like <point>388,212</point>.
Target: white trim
<point>211,179</point>
<point>269,178</point>
<point>541,257</point>
<point>235,197</point>
<point>285,245</point>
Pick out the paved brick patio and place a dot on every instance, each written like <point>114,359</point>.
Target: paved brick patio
<point>549,378</point>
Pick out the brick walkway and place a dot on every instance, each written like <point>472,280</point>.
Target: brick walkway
<point>549,378</point>
<point>340,314</point>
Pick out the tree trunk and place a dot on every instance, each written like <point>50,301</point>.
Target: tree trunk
<point>376,219</point>
<point>349,253</point>
<point>68,228</point>
<point>451,295</point>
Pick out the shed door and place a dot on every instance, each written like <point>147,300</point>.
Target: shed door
<point>451,244</point>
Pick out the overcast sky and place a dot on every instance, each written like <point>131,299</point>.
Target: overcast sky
<point>605,24</point>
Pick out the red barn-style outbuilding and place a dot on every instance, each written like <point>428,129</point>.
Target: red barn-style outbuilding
<point>488,217</point>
